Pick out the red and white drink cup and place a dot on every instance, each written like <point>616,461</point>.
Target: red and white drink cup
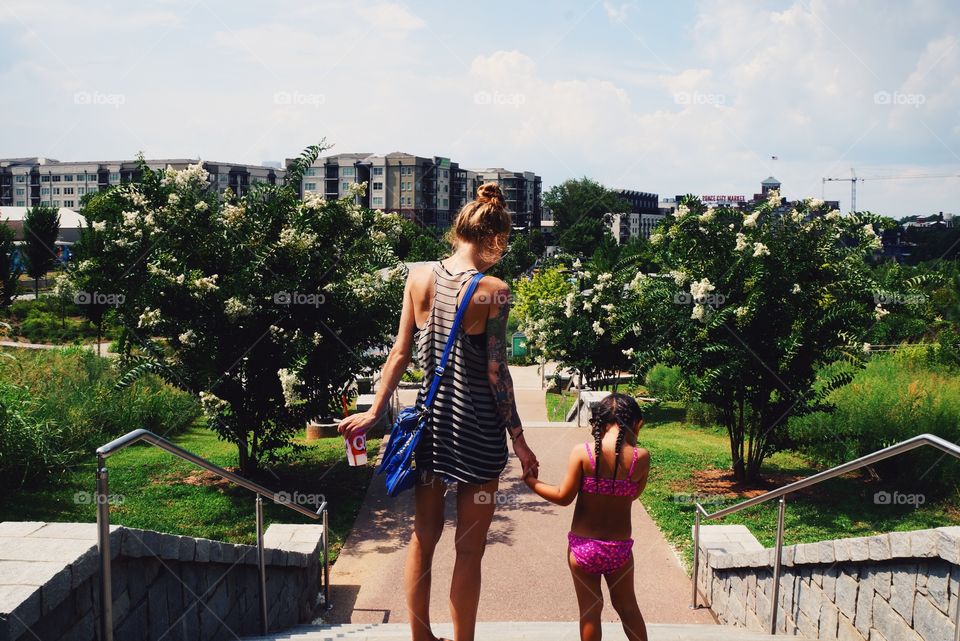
<point>356,449</point>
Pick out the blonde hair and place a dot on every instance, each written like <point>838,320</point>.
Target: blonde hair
<point>484,221</point>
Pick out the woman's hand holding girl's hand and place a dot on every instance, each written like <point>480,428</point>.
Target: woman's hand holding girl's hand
<point>528,460</point>
<point>357,423</point>
<point>531,476</point>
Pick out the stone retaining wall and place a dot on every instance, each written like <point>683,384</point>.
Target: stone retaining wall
<point>177,588</point>
<point>900,586</point>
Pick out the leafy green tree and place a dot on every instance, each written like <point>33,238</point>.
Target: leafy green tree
<point>581,210</point>
<point>750,306</point>
<point>41,226</point>
<point>267,306</point>
<point>9,271</point>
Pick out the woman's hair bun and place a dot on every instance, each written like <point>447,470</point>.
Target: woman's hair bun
<point>490,193</point>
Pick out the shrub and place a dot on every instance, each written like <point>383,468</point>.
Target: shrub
<point>663,381</point>
<point>895,397</point>
<point>57,406</point>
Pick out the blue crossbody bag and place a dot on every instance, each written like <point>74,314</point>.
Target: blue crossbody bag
<point>399,459</point>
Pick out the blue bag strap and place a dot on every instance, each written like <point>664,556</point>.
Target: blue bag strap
<point>438,371</point>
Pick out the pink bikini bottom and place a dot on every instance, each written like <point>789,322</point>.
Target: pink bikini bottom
<point>597,556</point>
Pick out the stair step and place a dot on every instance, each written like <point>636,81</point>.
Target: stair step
<point>516,631</point>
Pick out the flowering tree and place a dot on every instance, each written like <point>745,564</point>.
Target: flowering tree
<point>266,306</point>
<point>569,315</point>
<point>749,306</point>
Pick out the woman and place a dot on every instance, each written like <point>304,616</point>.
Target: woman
<point>472,414</point>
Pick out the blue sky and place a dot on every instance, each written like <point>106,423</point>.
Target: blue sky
<point>671,97</point>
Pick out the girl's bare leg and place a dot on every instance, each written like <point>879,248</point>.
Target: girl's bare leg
<point>624,601</point>
<point>475,506</point>
<point>427,528</point>
<point>589,598</point>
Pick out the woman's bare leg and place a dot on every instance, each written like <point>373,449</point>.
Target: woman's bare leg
<point>475,506</point>
<point>589,598</point>
<point>427,528</point>
<point>624,601</point>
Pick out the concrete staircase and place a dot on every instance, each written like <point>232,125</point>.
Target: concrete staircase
<point>516,631</point>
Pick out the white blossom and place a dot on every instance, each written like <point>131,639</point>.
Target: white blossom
<point>357,189</point>
<point>568,304</point>
<point>201,206</point>
<point>774,197</point>
<point>707,216</point>
<point>149,318</point>
<point>679,277</point>
<point>289,383</point>
<point>628,352</point>
<point>879,312</point>
<point>751,219</point>
<point>212,405</point>
<point>741,311</point>
<point>682,211</point>
<point>833,215</point>
<point>700,313</point>
<point>700,289</point>
<point>188,338</point>
<point>796,288</point>
<point>234,308</point>
<point>866,348</point>
<point>741,242</point>
<point>99,226</point>
<point>597,328</point>
<point>814,203</point>
<point>173,199</point>
<point>656,238</point>
<point>759,249</point>
<point>233,214</point>
<point>205,284</point>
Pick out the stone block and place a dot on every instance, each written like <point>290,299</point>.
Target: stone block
<point>880,578</point>
<point>858,548</point>
<point>19,528</point>
<point>948,544</point>
<point>829,582</point>
<point>890,624</point>
<point>188,547</point>
<point>923,543</point>
<point>863,620</point>
<point>902,590</point>
<point>846,630</point>
<point>827,552</point>
<point>938,582</point>
<point>900,544</point>
<point>879,547</point>
<point>55,590</point>
<point>827,628</point>
<point>202,554</point>
<point>929,622</point>
<point>846,598</point>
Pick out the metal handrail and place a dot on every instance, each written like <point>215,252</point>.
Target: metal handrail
<point>780,493</point>
<point>103,520</point>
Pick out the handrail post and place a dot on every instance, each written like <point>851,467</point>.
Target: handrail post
<point>777,558</point>
<point>696,556</point>
<point>261,567</point>
<point>326,561</point>
<point>102,497</point>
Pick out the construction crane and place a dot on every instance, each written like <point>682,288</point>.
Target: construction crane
<point>853,182</point>
<point>853,187</point>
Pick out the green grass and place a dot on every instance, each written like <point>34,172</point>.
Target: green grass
<point>559,404</point>
<point>839,508</point>
<point>156,491</point>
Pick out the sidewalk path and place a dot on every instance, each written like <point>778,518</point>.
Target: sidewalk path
<point>525,571</point>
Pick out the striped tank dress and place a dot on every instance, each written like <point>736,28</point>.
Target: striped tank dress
<point>464,439</point>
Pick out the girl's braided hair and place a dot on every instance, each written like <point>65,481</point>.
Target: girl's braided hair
<point>616,408</point>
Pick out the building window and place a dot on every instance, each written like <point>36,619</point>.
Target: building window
<point>68,203</point>
<point>45,179</point>
<point>20,203</point>
<point>378,171</point>
<point>92,177</point>
<point>114,177</point>
<point>81,177</point>
<point>81,191</point>
<point>446,173</point>
<point>406,171</point>
<point>45,191</point>
<point>21,179</point>
<point>310,186</point>
<point>68,191</point>
<point>377,186</point>
<point>344,186</point>
<point>68,178</point>
<point>346,171</point>
<point>56,178</point>
<point>446,189</point>
<point>446,204</point>
<point>21,191</point>
<point>378,200</point>
<point>56,191</point>
<point>311,172</point>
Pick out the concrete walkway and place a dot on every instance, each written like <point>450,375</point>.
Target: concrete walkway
<point>526,577</point>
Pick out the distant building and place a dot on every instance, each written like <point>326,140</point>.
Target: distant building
<point>643,217</point>
<point>29,182</point>
<point>426,190</point>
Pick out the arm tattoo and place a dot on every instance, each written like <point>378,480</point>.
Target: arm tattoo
<point>500,381</point>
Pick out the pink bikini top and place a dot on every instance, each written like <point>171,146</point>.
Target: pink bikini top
<point>610,487</point>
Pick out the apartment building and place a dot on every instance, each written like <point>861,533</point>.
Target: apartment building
<point>643,217</point>
<point>428,190</point>
<point>29,182</point>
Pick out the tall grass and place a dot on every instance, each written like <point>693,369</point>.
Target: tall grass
<point>56,406</point>
<point>895,397</point>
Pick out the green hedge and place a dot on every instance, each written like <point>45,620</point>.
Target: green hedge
<point>57,406</point>
<point>895,397</point>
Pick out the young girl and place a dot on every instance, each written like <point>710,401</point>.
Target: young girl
<point>606,477</point>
